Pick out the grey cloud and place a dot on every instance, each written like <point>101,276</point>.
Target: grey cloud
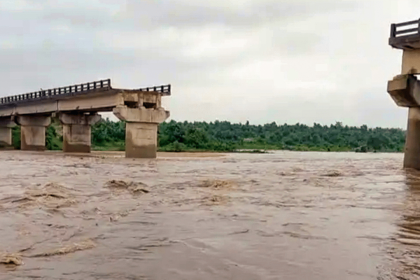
<point>192,13</point>
<point>29,69</point>
<point>137,20</point>
<point>135,15</point>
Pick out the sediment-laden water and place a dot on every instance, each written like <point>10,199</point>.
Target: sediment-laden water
<point>285,215</point>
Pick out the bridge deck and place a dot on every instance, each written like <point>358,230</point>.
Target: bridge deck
<point>93,96</point>
<point>405,35</point>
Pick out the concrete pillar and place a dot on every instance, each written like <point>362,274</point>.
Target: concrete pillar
<point>411,62</point>
<point>412,141</point>
<point>77,132</point>
<point>141,130</point>
<point>32,131</point>
<point>140,140</point>
<point>6,125</point>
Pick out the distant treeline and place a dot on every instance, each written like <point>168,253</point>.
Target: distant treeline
<point>226,136</point>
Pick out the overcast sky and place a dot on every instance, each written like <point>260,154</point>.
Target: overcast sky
<point>286,61</point>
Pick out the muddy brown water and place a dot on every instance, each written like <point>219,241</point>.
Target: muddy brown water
<point>284,215</point>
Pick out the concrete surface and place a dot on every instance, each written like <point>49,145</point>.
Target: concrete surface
<point>6,125</point>
<point>405,90</point>
<point>411,62</point>
<point>32,131</point>
<point>140,140</point>
<point>412,144</point>
<point>141,130</point>
<point>77,131</point>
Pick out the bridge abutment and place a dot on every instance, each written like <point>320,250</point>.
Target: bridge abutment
<point>141,129</point>
<point>6,125</point>
<point>33,131</point>
<point>77,131</point>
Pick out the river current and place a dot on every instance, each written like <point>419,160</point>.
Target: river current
<point>281,215</point>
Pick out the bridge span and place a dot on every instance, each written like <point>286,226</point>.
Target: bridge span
<point>77,108</point>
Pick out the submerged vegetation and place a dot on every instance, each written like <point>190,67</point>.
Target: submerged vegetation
<point>226,137</point>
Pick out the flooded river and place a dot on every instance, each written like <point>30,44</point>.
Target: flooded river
<point>283,215</point>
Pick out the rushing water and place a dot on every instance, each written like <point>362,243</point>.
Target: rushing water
<point>283,215</point>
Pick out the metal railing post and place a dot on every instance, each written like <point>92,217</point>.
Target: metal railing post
<point>393,30</point>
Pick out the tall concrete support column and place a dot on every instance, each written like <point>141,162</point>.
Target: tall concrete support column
<point>77,131</point>
<point>32,131</point>
<point>141,140</point>
<point>412,141</point>
<point>6,125</point>
<point>141,129</point>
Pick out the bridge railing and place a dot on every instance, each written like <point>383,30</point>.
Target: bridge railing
<point>166,89</point>
<point>73,90</point>
<point>62,91</point>
<point>405,29</point>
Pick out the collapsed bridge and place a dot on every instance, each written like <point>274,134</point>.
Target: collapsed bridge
<point>77,108</point>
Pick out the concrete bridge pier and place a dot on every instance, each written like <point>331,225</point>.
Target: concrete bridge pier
<point>6,125</point>
<point>141,129</point>
<point>77,131</point>
<point>412,142</point>
<point>33,131</point>
<point>404,88</point>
